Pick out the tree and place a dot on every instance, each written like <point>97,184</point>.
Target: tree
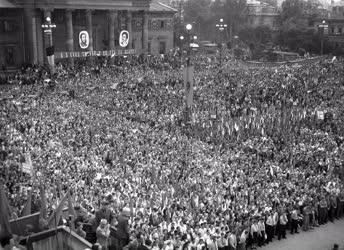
<point>235,14</point>
<point>295,32</point>
<point>198,13</point>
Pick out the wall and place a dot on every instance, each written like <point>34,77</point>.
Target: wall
<point>12,50</point>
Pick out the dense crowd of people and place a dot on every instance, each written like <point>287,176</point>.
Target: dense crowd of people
<point>261,154</point>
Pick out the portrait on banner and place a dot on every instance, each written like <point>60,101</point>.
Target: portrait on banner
<point>84,39</point>
<point>124,38</point>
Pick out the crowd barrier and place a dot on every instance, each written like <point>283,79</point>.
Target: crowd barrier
<point>285,63</point>
<point>60,238</point>
<point>18,226</point>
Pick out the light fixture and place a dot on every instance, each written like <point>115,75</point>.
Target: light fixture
<point>221,20</point>
<point>181,37</point>
<point>48,19</point>
<point>188,27</point>
<point>195,37</point>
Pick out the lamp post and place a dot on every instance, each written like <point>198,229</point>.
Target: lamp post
<point>188,78</point>
<point>322,26</point>
<point>47,27</point>
<point>181,38</point>
<point>188,29</point>
<point>221,27</point>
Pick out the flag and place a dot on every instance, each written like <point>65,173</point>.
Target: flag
<point>163,199</point>
<point>56,215</point>
<point>27,166</point>
<point>27,208</point>
<point>71,211</point>
<point>131,206</point>
<point>271,171</point>
<point>5,214</point>
<point>43,211</point>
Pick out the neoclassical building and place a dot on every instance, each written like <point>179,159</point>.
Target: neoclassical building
<point>23,40</point>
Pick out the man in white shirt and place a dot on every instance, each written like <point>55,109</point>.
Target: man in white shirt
<point>283,225</point>
<point>232,241</point>
<point>261,228</point>
<point>269,227</point>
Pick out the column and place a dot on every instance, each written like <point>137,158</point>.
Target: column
<point>89,27</point>
<point>112,24</point>
<point>69,31</point>
<point>47,39</point>
<point>129,29</point>
<point>30,36</point>
<point>145,33</point>
<point>40,50</point>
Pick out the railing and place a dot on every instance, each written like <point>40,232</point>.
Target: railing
<point>61,238</point>
<point>276,64</point>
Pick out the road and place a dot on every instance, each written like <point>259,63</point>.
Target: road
<point>320,238</point>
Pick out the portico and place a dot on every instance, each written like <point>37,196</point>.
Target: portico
<point>103,20</point>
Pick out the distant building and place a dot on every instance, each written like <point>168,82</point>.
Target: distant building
<point>335,22</point>
<point>261,14</point>
<point>22,39</point>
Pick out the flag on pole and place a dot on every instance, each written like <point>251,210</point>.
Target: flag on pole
<point>71,211</point>
<point>188,74</point>
<point>131,206</point>
<point>27,208</point>
<point>5,214</point>
<point>56,215</point>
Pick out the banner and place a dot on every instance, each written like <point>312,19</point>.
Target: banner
<point>75,54</point>
<point>188,75</point>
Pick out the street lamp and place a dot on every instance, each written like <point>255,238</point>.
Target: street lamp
<point>47,27</point>
<point>221,27</point>
<point>188,77</point>
<point>181,38</point>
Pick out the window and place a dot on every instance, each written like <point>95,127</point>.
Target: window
<point>332,30</point>
<point>9,55</point>
<point>162,24</point>
<point>8,26</point>
<point>162,47</point>
<point>340,30</point>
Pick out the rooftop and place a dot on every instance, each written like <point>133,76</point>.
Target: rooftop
<point>159,6</point>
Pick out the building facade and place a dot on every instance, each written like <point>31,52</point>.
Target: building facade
<point>261,14</point>
<point>335,23</point>
<point>23,40</point>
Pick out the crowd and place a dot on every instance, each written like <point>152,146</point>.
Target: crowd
<point>261,155</point>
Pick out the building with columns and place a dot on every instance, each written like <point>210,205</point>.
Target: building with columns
<point>22,39</point>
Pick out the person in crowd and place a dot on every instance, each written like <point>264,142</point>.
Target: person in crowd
<point>294,220</point>
<point>123,231</point>
<point>103,233</point>
<point>80,231</point>
<point>283,220</point>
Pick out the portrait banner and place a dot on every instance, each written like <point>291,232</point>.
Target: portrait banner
<point>124,38</point>
<point>84,39</point>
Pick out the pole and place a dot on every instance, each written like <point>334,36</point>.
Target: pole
<point>188,64</point>
<point>322,41</point>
